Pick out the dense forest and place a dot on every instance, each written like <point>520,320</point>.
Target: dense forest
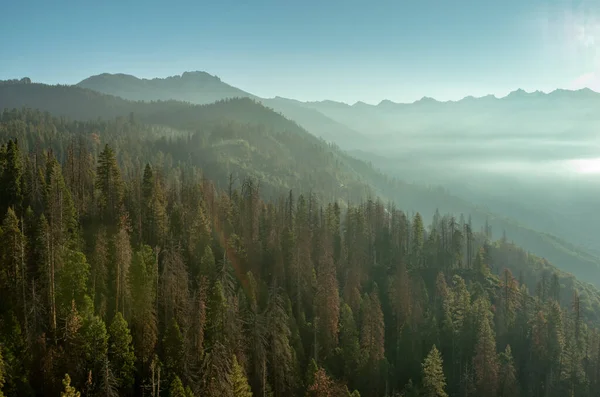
<point>244,138</point>
<point>128,269</point>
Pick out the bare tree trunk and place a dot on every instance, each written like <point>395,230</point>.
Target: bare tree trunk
<point>23,284</point>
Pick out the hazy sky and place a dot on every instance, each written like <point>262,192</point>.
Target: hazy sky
<point>310,50</point>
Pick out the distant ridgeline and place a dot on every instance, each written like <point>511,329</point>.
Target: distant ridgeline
<point>24,80</point>
<point>124,266</point>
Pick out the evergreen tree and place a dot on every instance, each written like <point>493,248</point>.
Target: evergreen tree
<point>327,304</point>
<point>109,185</point>
<point>174,353</point>
<point>485,361</point>
<point>69,390</point>
<point>508,385</point>
<point>239,383</point>
<point>176,388</point>
<point>142,281</point>
<point>11,178</point>
<point>434,381</point>
<point>349,344</point>
<point>120,353</point>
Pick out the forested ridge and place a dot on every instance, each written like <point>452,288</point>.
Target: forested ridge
<point>242,137</point>
<point>125,270</point>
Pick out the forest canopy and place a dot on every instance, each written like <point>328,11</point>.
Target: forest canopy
<point>125,270</point>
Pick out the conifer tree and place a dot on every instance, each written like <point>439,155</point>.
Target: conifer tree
<point>120,353</point>
<point>327,304</point>
<point>434,381</point>
<point>239,382</point>
<point>69,391</point>
<point>417,241</point>
<point>508,385</point>
<point>174,353</point>
<point>13,277</point>
<point>176,388</point>
<point>485,361</point>
<point>142,281</point>
<point>72,281</point>
<point>11,178</point>
<point>95,345</point>
<point>349,344</point>
<point>109,185</point>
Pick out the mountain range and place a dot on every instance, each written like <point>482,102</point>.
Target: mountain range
<point>452,143</point>
<point>295,156</point>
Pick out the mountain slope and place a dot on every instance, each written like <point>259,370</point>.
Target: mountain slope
<point>194,87</point>
<point>245,138</point>
<point>202,88</point>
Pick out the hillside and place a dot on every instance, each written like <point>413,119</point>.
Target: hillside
<point>202,88</point>
<point>502,154</point>
<point>124,267</point>
<point>244,138</point>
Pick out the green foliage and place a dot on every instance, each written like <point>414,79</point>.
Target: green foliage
<point>191,272</point>
<point>120,352</point>
<point>72,280</point>
<point>350,354</point>
<point>174,348</point>
<point>434,381</point>
<point>239,383</point>
<point>110,186</point>
<point>176,388</point>
<point>69,391</point>
<point>142,281</point>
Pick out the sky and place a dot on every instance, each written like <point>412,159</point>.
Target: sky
<point>347,50</point>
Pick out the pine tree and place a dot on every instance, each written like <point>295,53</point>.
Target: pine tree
<point>95,345</point>
<point>11,179</point>
<point>99,263</point>
<point>13,277</point>
<point>349,344</point>
<point>327,304</point>
<point>142,281</point>
<point>321,386</point>
<point>122,255</point>
<point>110,186</point>
<point>69,390</point>
<point>434,381</point>
<point>120,353</point>
<point>174,353</point>
<point>72,281</point>
<point>508,385</point>
<point>485,361</point>
<point>417,241</point>
<point>154,217</point>
<point>176,388</point>
<point>239,382</point>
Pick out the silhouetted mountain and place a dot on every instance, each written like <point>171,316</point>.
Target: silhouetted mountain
<point>203,88</point>
<point>195,87</point>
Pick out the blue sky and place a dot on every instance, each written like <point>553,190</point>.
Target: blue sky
<point>311,50</point>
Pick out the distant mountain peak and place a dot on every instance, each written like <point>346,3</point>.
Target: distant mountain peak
<point>360,104</point>
<point>426,100</point>
<point>518,93</point>
<point>386,102</point>
<point>198,75</point>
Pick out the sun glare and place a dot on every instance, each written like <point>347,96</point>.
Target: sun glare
<point>586,166</point>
